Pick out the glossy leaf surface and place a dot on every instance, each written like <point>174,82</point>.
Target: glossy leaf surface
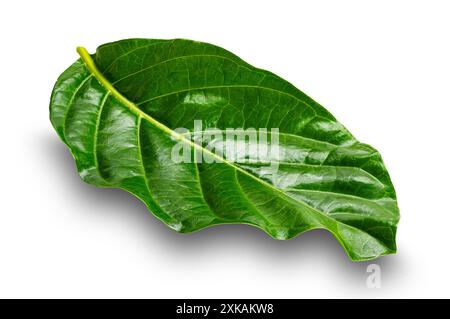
<point>117,110</point>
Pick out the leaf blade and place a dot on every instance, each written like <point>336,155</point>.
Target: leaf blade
<point>314,145</point>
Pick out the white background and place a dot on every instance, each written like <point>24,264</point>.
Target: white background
<point>381,67</point>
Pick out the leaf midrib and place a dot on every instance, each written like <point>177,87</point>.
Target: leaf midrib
<point>91,66</point>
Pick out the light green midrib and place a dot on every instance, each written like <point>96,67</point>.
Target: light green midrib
<point>92,67</point>
<point>90,64</point>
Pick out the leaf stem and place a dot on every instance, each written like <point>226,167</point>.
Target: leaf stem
<point>92,67</point>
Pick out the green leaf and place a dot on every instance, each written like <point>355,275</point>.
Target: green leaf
<point>118,111</point>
